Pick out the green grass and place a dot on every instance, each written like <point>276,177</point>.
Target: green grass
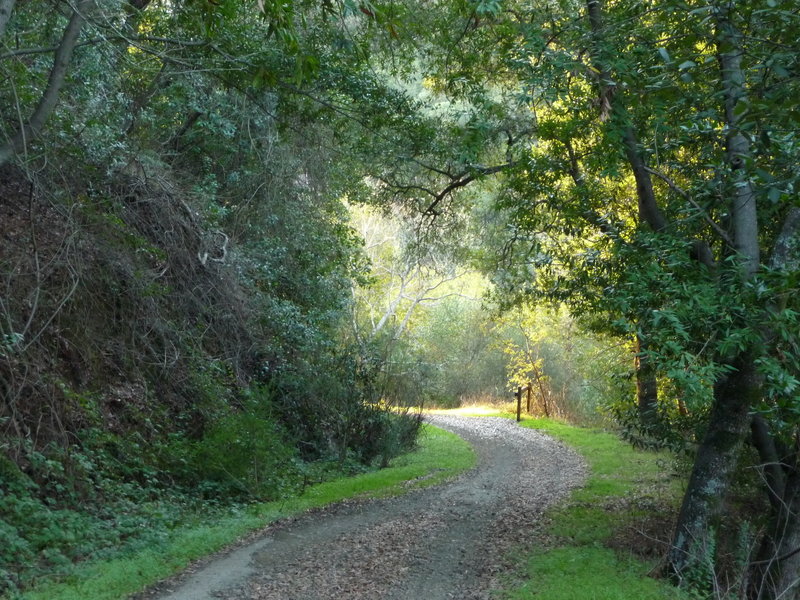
<point>440,456</point>
<point>622,486</point>
<point>589,573</point>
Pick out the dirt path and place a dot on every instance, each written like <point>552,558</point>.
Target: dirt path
<point>439,543</point>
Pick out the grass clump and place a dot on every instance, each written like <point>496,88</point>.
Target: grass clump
<point>440,455</point>
<point>605,539</point>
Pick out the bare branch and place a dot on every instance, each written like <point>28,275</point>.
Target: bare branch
<point>685,195</point>
<point>465,179</point>
<point>406,188</point>
<point>133,41</point>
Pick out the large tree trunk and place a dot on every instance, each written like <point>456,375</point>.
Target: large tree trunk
<point>736,393</point>
<point>714,465</point>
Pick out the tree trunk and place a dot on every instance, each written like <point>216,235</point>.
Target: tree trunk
<point>6,6</point>
<point>714,466</point>
<point>785,567</point>
<point>743,210</point>
<point>646,386</point>
<point>737,392</point>
<point>776,571</point>
<point>55,81</point>
<point>771,461</point>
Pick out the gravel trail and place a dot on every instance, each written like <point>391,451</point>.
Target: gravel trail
<point>438,543</point>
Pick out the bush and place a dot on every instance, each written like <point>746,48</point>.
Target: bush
<point>245,453</point>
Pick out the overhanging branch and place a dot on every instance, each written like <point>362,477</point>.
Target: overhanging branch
<point>464,179</point>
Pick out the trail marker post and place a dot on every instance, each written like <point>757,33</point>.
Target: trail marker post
<point>519,404</point>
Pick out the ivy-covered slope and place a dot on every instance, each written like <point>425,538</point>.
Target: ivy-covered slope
<point>176,268</point>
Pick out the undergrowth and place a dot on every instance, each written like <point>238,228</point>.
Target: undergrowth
<point>162,536</point>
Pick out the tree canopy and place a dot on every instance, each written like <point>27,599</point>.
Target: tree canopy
<point>182,175</point>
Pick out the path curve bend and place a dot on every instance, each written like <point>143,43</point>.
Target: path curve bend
<point>443,542</point>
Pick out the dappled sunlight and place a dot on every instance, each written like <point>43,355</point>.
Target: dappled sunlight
<point>473,410</point>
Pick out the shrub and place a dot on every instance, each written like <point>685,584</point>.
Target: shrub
<point>245,453</point>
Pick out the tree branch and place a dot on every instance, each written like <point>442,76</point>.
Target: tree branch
<point>465,179</point>
<point>133,41</point>
<point>685,195</point>
<point>49,99</point>
<point>648,207</point>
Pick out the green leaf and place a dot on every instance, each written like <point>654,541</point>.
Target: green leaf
<point>780,71</point>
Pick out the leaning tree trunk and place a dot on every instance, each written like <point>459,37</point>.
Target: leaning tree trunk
<point>714,465</point>
<point>737,392</point>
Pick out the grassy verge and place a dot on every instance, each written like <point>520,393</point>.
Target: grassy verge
<point>441,455</point>
<point>605,539</point>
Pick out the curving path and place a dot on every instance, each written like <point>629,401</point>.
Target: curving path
<point>443,542</point>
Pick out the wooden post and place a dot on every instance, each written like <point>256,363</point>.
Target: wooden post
<point>528,397</point>
<point>519,404</point>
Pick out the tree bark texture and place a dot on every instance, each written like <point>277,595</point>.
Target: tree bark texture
<point>6,6</point>
<point>715,462</point>
<point>743,207</point>
<point>55,82</point>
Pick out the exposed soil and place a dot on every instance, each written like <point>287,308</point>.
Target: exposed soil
<point>448,541</point>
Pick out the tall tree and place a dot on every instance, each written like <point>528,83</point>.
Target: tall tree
<point>658,193</point>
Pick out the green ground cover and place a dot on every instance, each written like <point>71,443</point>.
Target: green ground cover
<point>440,455</point>
<point>598,551</point>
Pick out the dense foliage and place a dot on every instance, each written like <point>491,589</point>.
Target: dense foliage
<point>179,264</point>
<point>176,266</point>
<point>652,188</point>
